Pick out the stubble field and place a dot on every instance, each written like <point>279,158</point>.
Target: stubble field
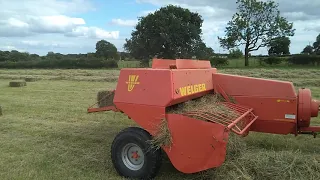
<point>45,132</point>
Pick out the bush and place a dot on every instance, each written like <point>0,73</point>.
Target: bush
<point>218,61</point>
<point>272,60</point>
<point>235,54</point>
<point>304,59</point>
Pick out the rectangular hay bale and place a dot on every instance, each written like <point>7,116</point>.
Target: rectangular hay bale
<point>17,83</point>
<point>105,98</point>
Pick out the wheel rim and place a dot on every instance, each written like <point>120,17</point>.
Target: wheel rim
<point>132,156</point>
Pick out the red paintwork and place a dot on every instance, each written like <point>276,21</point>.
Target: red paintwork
<point>180,64</point>
<point>247,86</point>
<point>107,108</point>
<point>304,111</point>
<point>310,129</point>
<point>271,101</point>
<point>197,145</point>
<point>263,105</point>
<point>158,87</point>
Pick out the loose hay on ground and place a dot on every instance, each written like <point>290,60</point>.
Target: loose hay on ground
<point>17,83</point>
<point>273,165</point>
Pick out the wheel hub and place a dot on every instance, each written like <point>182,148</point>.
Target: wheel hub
<point>132,156</point>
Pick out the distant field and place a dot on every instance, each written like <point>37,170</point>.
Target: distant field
<point>254,62</point>
<point>45,132</point>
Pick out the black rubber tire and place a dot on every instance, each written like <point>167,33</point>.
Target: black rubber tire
<point>152,157</point>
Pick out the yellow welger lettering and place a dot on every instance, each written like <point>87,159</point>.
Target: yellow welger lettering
<point>203,87</point>
<point>192,89</point>
<point>196,88</point>
<point>200,87</point>
<point>188,90</point>
<point>183,91</point>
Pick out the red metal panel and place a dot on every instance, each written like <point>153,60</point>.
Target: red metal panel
<point>304,111</point>
<point>281,113</point>
<point>275,127</point>
<point>107,108</point>
<point>163,63</point>
<point>148,87</point>
<point>193,64</point>
<point>188,83</point>
<point>148,117</point>
<point>248,86</point>
<point>310,129</point>
<point>180,64</point>
<point>196,145</point>
<point>162,87</point>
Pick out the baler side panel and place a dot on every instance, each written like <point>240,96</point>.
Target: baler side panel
<point>275,114</point>
<point>146,86</point>
<point>148,117</point>
<point>190,83</point>
<point>249,86</point>
<point>196,145</point>
<point>274,102</point>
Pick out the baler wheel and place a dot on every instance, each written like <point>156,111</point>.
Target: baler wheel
<point>131,154</point>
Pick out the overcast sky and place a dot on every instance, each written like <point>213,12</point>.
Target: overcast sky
<point>74,26</point>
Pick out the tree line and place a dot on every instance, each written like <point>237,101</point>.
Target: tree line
<point>174,32</point>
<point>106,56</point>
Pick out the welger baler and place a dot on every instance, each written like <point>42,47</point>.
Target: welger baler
<point>145,94</point>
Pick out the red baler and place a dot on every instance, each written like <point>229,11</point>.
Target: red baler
<point>144,94</point>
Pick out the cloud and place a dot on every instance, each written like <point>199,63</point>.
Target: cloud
<point>309,7</point>
<point>144,13</point>
<point>52,25</point>
<point>10,48</point>
<point>93,32</point>
<point>122,22</point>
<point>48,17</point>
<point>47,7</point>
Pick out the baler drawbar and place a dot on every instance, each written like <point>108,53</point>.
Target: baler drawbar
<point>146,94</point>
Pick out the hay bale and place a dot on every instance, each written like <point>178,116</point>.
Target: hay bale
<point>30,79</point>
<point>105,98</point>
<point>17,83</point>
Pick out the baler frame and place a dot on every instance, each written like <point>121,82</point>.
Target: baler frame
<point>214,131</point>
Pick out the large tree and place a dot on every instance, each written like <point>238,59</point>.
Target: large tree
<point>255,25</point>
<point>170,32</point>
<point>106,50</point>
<point>316,45</point>
<point>279,46</point>
<point>307,50</point>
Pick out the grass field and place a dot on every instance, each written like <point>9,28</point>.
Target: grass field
<point>45,132</point>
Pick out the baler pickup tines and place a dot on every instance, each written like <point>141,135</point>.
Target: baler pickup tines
<point>239,118</point>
